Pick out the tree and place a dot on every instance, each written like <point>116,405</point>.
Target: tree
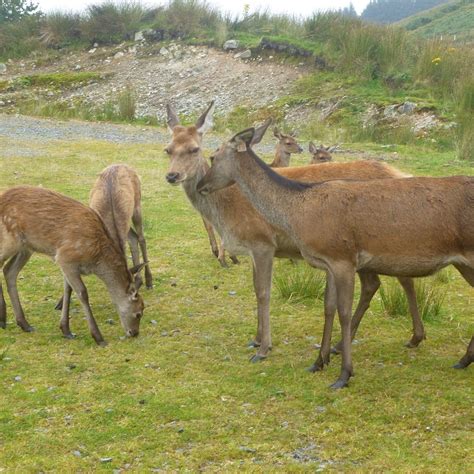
<point>14,10</point>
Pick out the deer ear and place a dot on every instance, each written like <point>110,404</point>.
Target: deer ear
<point>260,131</point>
<point>312,148</point>
<point>205,121</point>
<point>242,140</point>
<point>137,268</point>
<point>332,148</point>
<point>172,117</point>
<point>276,133</point>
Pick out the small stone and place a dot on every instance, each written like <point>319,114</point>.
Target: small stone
<point>110,321</point>
<point>104,460</point>
<point>232,293</point>
<point>119,54</point>
<point>77,453</point>
<point>230,44</point>
<point>246,449</point>
<point>3,68</point>
<point>17,378</point>
<point>247,54</point>
<point>92,51</point>
<point>180,430</point>
<point>154,322</point>
<point>164,333</point>
<point>71,366</point>
<point>77,67</point>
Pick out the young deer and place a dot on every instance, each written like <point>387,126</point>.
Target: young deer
<point>245,232</point>
<point>116,197</point>
<point>39,220</point>
<point>320,154</point>
<point>409,227</point>
<point>285,147</point>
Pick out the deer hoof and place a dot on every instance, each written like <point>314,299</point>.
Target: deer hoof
<point>102,343</point>
<point>59,305</point>
<point>28,328</point>
<point>315,368</point>
<point>338,384</point>
<point>69,336</point>
<point>257,358</point>
<point>335,350</point>
<point>253,344</point>
<point>3,324</point>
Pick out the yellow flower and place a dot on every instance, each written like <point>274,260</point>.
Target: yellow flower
<point>436,60</point>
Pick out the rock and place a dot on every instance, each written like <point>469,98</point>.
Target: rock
<point>139,36</point>
<point>243,54</point>
<point>92,51</point>
<point>406,108</point>
<point>104,460</point>
<point>17,378</point>
<point>77,67</point>
<point>76,453</point>
<point>230,44</point>
<point>2,103</point>
<point>164,52</point>
<point>3,68</point>
<point>390,111</point>
<point>118,55</point>
<point>95,45</point>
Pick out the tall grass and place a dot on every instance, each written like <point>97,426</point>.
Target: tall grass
<point>300,283</point>
<point>127,104</point>
<point>430,298</point>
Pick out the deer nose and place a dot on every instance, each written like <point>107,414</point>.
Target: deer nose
<point>300,150</point>
<point>132,333</point>
<point>172,177</point>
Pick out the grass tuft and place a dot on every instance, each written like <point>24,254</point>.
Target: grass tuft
<point>300,282</point>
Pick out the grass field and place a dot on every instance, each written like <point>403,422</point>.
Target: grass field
<point>183,395</point>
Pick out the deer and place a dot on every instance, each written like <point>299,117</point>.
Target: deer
<point>287,145</point>
<point>40,220</point>
<point>245,232</point>
<point>409,227</point>
<point>116,197</point>
<point>321,154</point>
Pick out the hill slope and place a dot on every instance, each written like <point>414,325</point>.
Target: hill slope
<point>454,20</point>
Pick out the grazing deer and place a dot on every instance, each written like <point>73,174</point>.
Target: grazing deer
<point>410,227</point>
<point>321,154</point>
<point>116,197</point>
<point>285,147</point>
<point>245,232</point>
<point>39,220</point>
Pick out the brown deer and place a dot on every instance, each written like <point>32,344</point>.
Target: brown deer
<point>245,232</point>
<point>287,145</point>
<point>39,220</point>
<point>321,154</point>
<point>217,248</point>
<point>410,227</point>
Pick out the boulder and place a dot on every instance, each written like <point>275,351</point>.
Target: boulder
<point>3,68</point>
<point>230,45</point>
<point>243,54</point>
<point>407,108</point>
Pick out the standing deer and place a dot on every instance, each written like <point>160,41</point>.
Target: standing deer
<point>39,220</point>
<point>244,231</point>
<point>285,147</point>
<point>321,154</point>
<point>410,227</point>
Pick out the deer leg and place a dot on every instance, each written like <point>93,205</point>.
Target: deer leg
<point>66,300</point>
<point>262,280</point>
<point>418,328</point>
<point>370,283</point>
<point>345,294</point>
<point>137,222</point>
<point>330,305</point>
<point>3,310</point>
<point>234,259</point>
<point>11,271</point>
<point>468,358</point>
<point>212,237</point>
<point>75,281</point>
<point>133,244</point>
<point>221,254</point>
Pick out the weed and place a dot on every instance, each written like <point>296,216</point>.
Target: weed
<point>127,104</point>
<point>300,282</point>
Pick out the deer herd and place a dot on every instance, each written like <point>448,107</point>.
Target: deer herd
<point>363,217</point>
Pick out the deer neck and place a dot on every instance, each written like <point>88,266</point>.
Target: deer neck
<point>274,196</point>
<point>282,158</point>
<point>207,206</point>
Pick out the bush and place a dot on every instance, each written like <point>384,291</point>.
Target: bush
<point>127,104</point>
<point>60,29</point>
<point>19,38</point>
<point>110,22</point>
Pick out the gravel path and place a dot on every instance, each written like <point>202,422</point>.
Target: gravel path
<point>42,131</point>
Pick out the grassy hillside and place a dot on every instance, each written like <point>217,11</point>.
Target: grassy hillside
<point>454,21</point>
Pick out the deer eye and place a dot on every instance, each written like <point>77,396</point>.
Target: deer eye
<point>194,150</point>
<point>212,158</point>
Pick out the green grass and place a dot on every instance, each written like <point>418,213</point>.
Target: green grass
<point>182,396</point>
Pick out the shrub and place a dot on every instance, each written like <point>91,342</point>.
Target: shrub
<point>111,22</point>
<point>60,29</point>
<point>126,102</point>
